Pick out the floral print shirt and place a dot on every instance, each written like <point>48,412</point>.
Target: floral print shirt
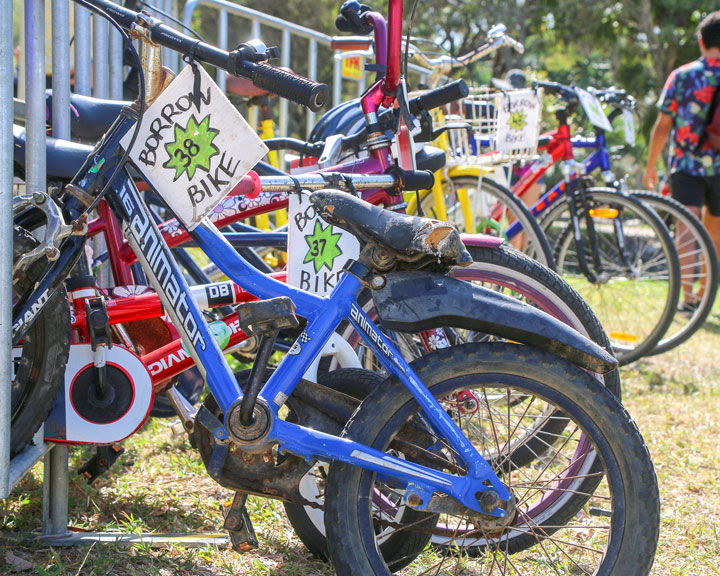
<point>687,97</point>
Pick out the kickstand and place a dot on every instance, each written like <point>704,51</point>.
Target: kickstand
<point>238,524</point>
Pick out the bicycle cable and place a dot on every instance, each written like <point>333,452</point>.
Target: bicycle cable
<point>407,39</point>
<point>171,17</point>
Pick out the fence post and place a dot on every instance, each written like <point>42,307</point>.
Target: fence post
<point>337,80</point>
<point>220,74</point>
<point>35,95</point>
<point>81,45</point>
<point>116,64</point>
<point>99,57</point>
<point>55,483</point>
<point>7,74</point>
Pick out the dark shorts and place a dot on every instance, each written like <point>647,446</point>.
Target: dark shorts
<point>696,191</point>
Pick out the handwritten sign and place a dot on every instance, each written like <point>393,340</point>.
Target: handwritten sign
<point>593,110</point>
<point>352,68</point>
<point>629,125</point>
<point>518,120</point>
<point>317,251</point>
<point>194,146</point>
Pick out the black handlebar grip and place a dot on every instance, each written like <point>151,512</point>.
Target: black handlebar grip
<point>290,86</point>
<point>439,96</point>
<point>418,179</point>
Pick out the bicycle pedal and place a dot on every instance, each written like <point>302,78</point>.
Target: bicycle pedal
<point>239,526</point>
<point>267,317</point>
<point>105,456</point>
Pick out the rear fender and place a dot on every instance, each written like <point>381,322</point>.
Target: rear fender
<point>418,301</point>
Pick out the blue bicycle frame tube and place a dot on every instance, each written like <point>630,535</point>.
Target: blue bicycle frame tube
<point>322,319</point>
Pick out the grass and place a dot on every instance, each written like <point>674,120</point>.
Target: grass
<point>159,484</point>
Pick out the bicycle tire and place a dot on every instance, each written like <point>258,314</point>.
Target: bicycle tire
<point>672,212</point>
<point>40,369</point>
<point>632,524</point>
<point>535,244</point>
<point>630,342</point>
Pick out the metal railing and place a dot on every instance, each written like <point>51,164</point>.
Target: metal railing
<point>7,80</point>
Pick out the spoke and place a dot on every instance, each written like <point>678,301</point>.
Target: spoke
<point>548,464</point>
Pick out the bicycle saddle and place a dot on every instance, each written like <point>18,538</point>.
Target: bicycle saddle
<point>90,117</point>
<point>64,158</point>
<point>415,242</point>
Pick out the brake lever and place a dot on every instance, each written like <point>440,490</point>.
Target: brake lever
<point>452,126</point>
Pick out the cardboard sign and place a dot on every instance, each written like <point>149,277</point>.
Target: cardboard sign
<point>317,251</point>
<point>629,125</point>
<point>194,146</point>
<point>518,120</point>
<point>593,109</point>
<point>352,67</point>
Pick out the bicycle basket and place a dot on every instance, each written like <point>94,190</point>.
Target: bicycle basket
<point>503,127</point>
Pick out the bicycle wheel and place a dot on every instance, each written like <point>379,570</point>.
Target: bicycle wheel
<point>494,210</point>
<point>698,266</point>
<point>562,526</point>
<point>39,361</point>
<point>636,293</point>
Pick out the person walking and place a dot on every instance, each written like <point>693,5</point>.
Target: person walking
<point>685,109</point>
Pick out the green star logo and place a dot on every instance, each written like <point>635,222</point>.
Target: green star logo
<point>322,247</point>
<point>518,120</point>
<point>192,148</point>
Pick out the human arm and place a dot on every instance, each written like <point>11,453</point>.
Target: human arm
<point>658,138</point>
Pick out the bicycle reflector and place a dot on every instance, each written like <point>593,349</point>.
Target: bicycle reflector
<point>623,337</point>
<point>608,213</point>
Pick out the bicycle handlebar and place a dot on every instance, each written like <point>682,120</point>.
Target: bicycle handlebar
<point>497,38</point>
<point>281,82</point>
<point>439,96</point>
<point>567,93</point>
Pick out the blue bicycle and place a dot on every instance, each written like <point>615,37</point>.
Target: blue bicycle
<point>438,445</point>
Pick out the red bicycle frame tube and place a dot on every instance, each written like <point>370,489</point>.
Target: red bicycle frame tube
<point>559,149</point>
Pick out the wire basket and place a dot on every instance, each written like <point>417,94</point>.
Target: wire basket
<point>503,127</point>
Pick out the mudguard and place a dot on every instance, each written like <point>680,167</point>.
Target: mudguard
<point>418,301</point>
